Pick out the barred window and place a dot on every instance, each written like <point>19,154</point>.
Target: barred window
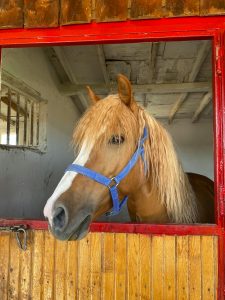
<point>22,120</point>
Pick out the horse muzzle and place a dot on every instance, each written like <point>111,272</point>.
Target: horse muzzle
<point>64,228</point>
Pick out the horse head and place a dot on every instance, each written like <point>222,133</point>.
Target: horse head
<point>105,139</point>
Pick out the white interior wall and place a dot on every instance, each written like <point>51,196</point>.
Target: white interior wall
<point>194,145</point>
<point>27,177</point>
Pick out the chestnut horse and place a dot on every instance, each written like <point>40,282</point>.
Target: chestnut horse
<point>117,136</point>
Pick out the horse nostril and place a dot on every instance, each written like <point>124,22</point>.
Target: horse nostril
<point>59,218</point>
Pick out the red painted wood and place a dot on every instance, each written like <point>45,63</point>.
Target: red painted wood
<point>128,31</point>
<point>128,227</point>
<point>219,122</point>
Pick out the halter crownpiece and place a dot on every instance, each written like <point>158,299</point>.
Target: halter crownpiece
<point>112,183</point>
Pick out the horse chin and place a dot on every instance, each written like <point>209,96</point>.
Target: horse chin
<point>82,230</point>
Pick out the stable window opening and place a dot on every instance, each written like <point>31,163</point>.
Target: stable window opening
<point>171,80</point>
<point>22,115</point>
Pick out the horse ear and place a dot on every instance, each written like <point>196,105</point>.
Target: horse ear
<point>94,98</point>
<point>124,89</point>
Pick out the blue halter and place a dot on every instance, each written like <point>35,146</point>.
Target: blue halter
<point>112,183</point>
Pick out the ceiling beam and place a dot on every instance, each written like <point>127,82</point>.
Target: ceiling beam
<point>152,61</point>
<point>67,67</point>
<point>58,61</point>
<point>200,58</point>
<point>69,89</point>
<point>202,105</point>
<point>102,62</point>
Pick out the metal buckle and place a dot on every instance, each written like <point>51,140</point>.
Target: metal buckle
<point>113,183</point>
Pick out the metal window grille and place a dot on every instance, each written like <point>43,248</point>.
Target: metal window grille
<point>19,119</point>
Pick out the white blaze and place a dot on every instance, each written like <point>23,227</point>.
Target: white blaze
<point>66,180</point>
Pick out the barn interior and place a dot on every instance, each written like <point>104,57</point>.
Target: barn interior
<point>43,95</point>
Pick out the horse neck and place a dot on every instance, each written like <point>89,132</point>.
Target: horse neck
<point>145,206</point>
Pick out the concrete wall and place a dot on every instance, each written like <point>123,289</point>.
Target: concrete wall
<point>27,178</point>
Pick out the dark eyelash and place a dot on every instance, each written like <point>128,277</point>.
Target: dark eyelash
<point>116,140</point>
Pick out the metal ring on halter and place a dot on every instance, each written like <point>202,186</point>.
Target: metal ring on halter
<point>113,183</point>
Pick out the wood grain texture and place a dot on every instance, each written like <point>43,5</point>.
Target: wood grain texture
<point>157,267</point>
<point>84,269</point>
<point>145,9</point>
<point>195,267</point>
<point>133,274</point>
<point>71,271</point>
<point>96,272</point>
<point>170,267</point>
<point>145,265</point>
<point>108,10</point>
<point>212,7</point>
<point>75,11</point>
<point>208,275</point>
<point>11,14</point>
<point>108,252</point>
<point>182,8</point>
<point>48,266</point>
<point>14,269</point>
<point>41,13</point>
<point>25,269</point>
<point>4,264</point>
<point>120,266</point>
<point>182,268</point>
<point>60,270</point>
<point>37,265</point>
<point>109,266</point>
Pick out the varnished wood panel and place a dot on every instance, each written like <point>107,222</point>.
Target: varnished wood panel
<point>212,7</point>
<point>96,270</point>
<point>120,266</point>
<point>11,13</point>
<point>195,277</point>
<point>41,13</point>
<point>75,11</point>
<point>108,10</point>
<point>109,266</point>
<point>145,9</point>
<point>4,264</point>
<point>182,8</point>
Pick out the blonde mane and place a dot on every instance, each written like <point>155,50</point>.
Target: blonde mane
<point>164,170</point>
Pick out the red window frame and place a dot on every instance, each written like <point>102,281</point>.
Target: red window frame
<point>174,29</point>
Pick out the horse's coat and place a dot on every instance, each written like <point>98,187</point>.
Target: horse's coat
<point>106,137</point>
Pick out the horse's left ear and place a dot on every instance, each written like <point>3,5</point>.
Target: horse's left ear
<point>124,89</point>
<point>94,98</point>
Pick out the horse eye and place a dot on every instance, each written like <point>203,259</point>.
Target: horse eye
<point>116,139</point>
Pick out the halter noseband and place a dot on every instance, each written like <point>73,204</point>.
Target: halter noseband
<point>112,183</point>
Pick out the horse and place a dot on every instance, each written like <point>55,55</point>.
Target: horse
<point>125,154</point>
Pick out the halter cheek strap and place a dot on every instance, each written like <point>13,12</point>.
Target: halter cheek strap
<point>112,183</point>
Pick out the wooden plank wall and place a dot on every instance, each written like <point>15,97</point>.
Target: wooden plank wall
<point>53,13</point>
<point>109,266</point>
